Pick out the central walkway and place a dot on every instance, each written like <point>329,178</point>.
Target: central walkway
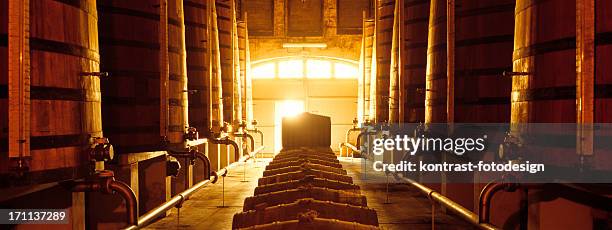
<point>407,208</point>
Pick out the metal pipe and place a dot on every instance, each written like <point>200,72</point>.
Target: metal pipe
<point>247,135</point>
<point>452,206</point>
<point>131,202</point>
<point>559,190</point>
<point>193,154</point>
<point>261,135</point>
<point>227,141</point>
<point>104,181</point>
<point>361,135</point>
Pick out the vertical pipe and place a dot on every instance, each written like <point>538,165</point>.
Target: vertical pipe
<point>209,54</point>
<point>19,79</point>
<point>585,74</point>
<point>164,72</point>
<point>450,61</point>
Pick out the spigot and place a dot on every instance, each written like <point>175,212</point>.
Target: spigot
<point>355,122</point>
<point>510,149</point>
<point>227,127</point>
<point>254,122</point>
<point>191,134</point>
<point>101,150</point>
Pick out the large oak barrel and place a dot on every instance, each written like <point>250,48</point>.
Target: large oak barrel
<point>225,18</point>
<point>242,43</point>
<point>217,95</point>
<point>384,35</point>
<point>483,53</point>
<point>4,164</point>
<point>368,32</point>
<point>545,46</point>
<point>129,41</point>
<point>196,41</point>
<point>415,59</point>
<point>435,95</point>
<point>64,102</point>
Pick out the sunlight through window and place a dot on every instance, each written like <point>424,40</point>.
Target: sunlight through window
<point>291,69</point>
<point>318,69</point>
<point>266,70</point>
<point>345,71</point>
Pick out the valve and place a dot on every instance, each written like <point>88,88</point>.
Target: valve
<point>173,167</point>
<point>191,134</point>
<point>509,150</point>
<point>101,150</point>
<point>254,122</point>
<point>355,122</point>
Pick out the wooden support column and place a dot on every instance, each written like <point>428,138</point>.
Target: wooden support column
<point>19,80</point>
<point>585,74</point>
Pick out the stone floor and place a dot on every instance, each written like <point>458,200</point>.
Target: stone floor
<point>406,209</point>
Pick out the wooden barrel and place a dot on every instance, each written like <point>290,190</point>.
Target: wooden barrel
<point>394,71</point>
<point>242,43</point>
<point>435,95</point>
<point>483,53</point>
<point>225,18</point>
<point>129,41</point>
<point>384,35</point>
<point>178,96</point>
<point>196,41</point>
<point>415,58</point>
<point>217,94</point>
<point>368,32</point>
<point>4,163</point>
<point>548,52</point>
<point>64,104</point>
<point>237,95</point>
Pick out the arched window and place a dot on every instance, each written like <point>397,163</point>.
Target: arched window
<point>305,67</point>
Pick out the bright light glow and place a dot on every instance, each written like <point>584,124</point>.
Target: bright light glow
<point>304,45</point>
<point>345,71</point>
<point>291,69</point>
<point>318,69</point>
<point>266,70</point>
<point>287,108</point>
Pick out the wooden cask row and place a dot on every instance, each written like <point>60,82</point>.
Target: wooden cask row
<point>130,53</point>
<point>368,32</point>
<point>483,53</point>
<point>415,58</point>
<point>384,34</point>
<point>64,104</point>
<point>196,41</point>
<point>225,18</point>
<point>242,43</point>
<point>435,79</point>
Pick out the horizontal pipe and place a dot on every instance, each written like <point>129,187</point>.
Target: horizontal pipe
<point>178,200</point>
<point>350,146</point>
<point>461,211</point>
